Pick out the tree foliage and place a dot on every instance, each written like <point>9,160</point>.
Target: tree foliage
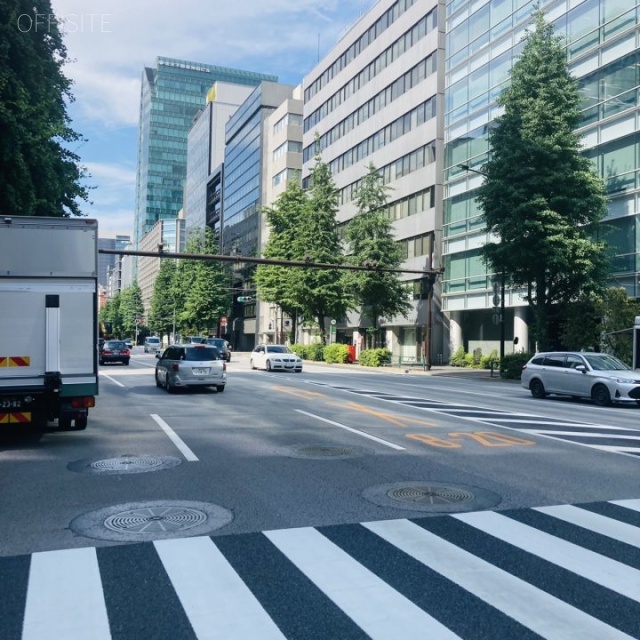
<point>163,300</point>
<point>371,240</point>
<point>39,174</point>
<point>320,293</point>
<point>131,309</point>
<point>541,197</point>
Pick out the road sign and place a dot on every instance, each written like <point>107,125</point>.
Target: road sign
<point>496,318</point>
<point>496,300</point>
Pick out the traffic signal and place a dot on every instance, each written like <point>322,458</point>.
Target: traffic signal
<point>245,298</point>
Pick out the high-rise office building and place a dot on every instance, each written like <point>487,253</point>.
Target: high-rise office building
<point>374,98</point>
<point>244,195</point>
<point>483,40</point>
<point>108,261</point>
<point>172,93</point>
<point>205,148</point>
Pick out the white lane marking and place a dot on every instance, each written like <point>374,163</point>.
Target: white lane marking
<point>175,438</point>
<point>108,377</point>
<point>589,434</point>
<point>217,602</point>
<point>65,597</point>
<point>594,522</point>
<point>627,504</point>
<point>360,433</point>
<point>541,612</point>
<point>609,573</point>
<point>377,608</point>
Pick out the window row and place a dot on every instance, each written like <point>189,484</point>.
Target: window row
<point>380,25</point>
<point>390,93</point>
<point>399,127</point>
<point>411,205</point>
<point>293,119</point>
<point>290,146</point>
<point>402,44</point>
<point>402,166</point>
<point>416,246</point>
<point>285,176</point>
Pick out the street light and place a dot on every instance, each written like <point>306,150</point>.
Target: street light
<point>466,167</point>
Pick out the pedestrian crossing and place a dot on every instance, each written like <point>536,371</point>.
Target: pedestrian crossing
<point>620,440</point>
<point>566,572</point>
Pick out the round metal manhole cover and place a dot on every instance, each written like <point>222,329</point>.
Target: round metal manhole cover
<point>127,463</point>
<point>323,452</point>
<point>431,497</point>
<point>152,521</point>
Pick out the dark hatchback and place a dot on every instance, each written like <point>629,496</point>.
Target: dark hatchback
<point>114,351</point>
<point>221,346</point>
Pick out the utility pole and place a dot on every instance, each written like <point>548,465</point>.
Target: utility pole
<point>426,293</point>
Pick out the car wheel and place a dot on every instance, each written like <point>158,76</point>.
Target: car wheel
<point>220,388</point>
<point>253,366</point>
<point>167,385</point>
<point>101,362</point>
<point>537,389</point>
<point>600,395</point>
<point>158,384</point>
<point>268,365</point>
<point>126,363</point>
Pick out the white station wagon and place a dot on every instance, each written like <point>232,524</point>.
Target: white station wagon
<point>598,376</point>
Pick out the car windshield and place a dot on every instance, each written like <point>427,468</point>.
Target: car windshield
<point>278,349</point>
<point>114,345</point>
<point>603,362</point>
<point>216,342</point>
<point>153,340</point>
<point>196,354</point>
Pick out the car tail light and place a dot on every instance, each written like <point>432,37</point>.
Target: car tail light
<point>106,352</point>
<point>175,367</point>
<point>86,402</point>
<point>126,352</point>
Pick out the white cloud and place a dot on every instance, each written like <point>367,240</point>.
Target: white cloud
<point>111,42</point>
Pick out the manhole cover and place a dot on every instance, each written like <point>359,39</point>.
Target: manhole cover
<point>433,497</point>
<point>430,495</point>
<point>151,520</point>
<point>127,463</point>
<point>325,451</point>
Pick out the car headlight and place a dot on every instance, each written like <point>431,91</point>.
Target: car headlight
<point>625,381</point>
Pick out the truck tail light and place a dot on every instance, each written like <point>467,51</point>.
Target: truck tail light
<point>83,403</point>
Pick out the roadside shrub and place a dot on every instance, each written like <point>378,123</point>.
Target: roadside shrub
<point>485,362</point>
<point>457,358</point>
<point>315,351</point>
<point>336,353</point>
<point>374,357</point>
<point>511,367</point>
<point>468,360</point>
<point>299,350</point>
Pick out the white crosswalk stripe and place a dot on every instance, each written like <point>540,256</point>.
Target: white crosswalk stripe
<point>572,572</point>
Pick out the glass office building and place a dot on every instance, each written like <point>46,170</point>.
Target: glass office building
<point>172,93</point>
<point>483,40</point>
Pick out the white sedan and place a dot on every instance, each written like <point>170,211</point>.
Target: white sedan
<point>275,357</point>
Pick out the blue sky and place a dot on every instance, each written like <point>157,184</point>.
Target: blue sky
<point>110,43</point>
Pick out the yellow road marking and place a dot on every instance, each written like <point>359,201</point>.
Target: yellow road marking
<point>399,421</point>
<point>299,393</point>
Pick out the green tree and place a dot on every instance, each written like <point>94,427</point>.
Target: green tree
<point>207,295</point>
<point>110,315</point>
<point>371,240</point>
<point>163,304</point>
<point>39,174</point>
<point>541,197</point>
<point>276,283</point>
<point>131,308</point>
<point>320,293</point>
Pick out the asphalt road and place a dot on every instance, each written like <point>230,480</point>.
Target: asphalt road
<point>323,451</point>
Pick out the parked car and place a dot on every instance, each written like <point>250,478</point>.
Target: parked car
<point>129,344</point>
<point>275,357</point>
<point>114,351</point>
<point>221,346</point>
<point>152,344</point>
<point>191,365</point>
<point>197,339</point>
<point>598,376</point>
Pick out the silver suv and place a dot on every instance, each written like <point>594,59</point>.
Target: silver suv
<point>191,365</point>
<point>598,376</point>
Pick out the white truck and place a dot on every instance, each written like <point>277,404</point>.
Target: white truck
<point>48,321</point>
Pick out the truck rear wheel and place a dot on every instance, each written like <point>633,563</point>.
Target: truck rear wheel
<point>64,424</point>
<point>81,423</point>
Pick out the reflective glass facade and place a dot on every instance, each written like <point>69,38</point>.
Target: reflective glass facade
<point>172,93</point>
<point>483,40</point>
